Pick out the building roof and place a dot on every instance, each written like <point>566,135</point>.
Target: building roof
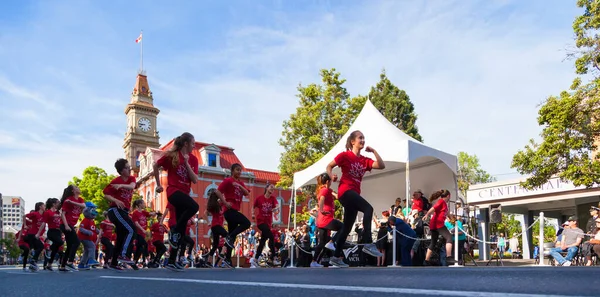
<point>265,176</point>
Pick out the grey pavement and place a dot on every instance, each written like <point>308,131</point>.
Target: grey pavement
<point>415,281</point>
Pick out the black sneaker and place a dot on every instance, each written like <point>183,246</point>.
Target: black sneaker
<point>180,265</point>
<point>115,268</point>
<point>33,266</point>
<point>134,266</point>
<point>48,267</point>
<point>227,263</point>
<point>173,267</point>
<point>63,269</point>
<point>174,239</point>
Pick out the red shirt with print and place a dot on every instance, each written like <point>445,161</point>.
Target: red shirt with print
<point>353,169</point>
<point>107,229</point>
<point>217,218</point>
<point>438,219</point>
<point>265,207</point>
<point>21,241</point>
<point>89,225</point>
<point>36,222</point>
<point>158,232</point>
<point>72,211</point>
<point>51,218</point>
<point>177,176</point>
<point>233,194</point>
<point>140,217</point>
<point>328,206</point>
<point>124,195</point>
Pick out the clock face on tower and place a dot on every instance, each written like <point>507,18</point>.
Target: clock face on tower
<point>144,124</point>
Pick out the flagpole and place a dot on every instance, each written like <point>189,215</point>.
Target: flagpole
<point>142,52</point>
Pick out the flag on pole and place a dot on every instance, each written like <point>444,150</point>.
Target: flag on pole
<point>139,39</point>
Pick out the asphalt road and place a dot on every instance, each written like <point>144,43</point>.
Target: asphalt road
<point>417,281</point>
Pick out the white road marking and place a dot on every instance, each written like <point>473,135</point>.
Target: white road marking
<point>339,288</point>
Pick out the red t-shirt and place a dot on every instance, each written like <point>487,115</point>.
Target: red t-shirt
<point>417,204</point>
<point>107,229</point>
<point>122,194</point>
<point>140,216</point>
<point>265,207</point>
<point>328,205</point>
<point>172,216</point>
<point>439,217</point>
<point>89,225</point>
<point>51,218</point>
<point>177,177</point>
<point>22,239</point>
<point>72,211</point>
<point>233,194</point>
<point>217,218</point>
<point>353,169</point>
<point>36,222</point>
<point>158,232</point>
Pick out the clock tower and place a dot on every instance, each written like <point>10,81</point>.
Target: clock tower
<point>141,122</point>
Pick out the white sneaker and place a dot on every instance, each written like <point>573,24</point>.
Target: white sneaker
<point>337,262</point>
<point>330,246</point>
<point>315,265</point>
<point>566,263</point>
<point>371,249</point>
<point>253,263</point>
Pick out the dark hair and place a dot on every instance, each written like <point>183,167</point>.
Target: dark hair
<point>234,166</point>
<point>67,192</point>
<point>50,202</point>
<point>38,206</point>
<point>441,193</point>
<point>322,180</point>
<point>137,203</point>
<point>159,214</point>
<point>266,187</point>
<point>173,153</point>
<point>212,205</point>
<point>120,165</point>
<point>351,137</point>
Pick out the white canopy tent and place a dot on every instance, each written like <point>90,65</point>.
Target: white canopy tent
<point>410,165</point>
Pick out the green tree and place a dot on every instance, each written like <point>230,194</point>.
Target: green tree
<point>91,184</point>
<point>395,105</point>
<point>10,244</point>
<point>470,172</point>
<point>571,120</point>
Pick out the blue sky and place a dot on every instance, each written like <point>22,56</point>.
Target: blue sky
<point>227,71</point>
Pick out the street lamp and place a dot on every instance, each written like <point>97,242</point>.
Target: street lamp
<point>198,221</point>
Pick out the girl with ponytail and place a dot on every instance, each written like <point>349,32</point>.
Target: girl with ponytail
<point>325,219</point>
<point>437,226</point>
<point>264,207</point>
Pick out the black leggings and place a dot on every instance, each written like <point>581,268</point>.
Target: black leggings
<point>185,208</point>
<point>55,235</point>
<point>435,234</point>
<point>186,241</point>
<point>125,232</point>
<point>160,250</point>
<point>353,203</point>
<point>237,223</point>
<point>36,244</point>
<point>72,245</point>
<point>323,237</point>
<point>25,254</point>
<point>265,234</point>
<point>216,231</point>
<point>140,248</point>
<point>108,249</point>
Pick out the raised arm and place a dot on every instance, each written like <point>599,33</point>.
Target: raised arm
<point>329,170</point>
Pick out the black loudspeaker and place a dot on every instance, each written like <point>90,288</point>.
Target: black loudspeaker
<point>495,213</point>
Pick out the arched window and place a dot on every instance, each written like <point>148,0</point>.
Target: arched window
<point>208,188</point>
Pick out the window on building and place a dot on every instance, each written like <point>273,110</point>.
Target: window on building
<point>212,160</point>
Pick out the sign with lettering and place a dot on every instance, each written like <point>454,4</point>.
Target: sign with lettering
<point>16,201</point>
<point>514,190</point>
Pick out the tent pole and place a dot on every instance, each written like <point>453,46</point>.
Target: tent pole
<point>292,242</point>
<point>407,174</point>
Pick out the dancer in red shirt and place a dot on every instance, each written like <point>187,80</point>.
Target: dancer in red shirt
<point>140,219</point>
<point>187,242</point>
<point>71,206</point>
<point>325,219</point>
<point>119,193</point>
<point>182,171</point>
<point>20,237</point>
<point>107,234</point>
<point>231,192</point>
<point>158,232</point>
<point>264,207</point>
<point>51,218</point>
<point>437,226</point>
<point>32,239</point>
<point>214,208</point>
<point>354,165</point>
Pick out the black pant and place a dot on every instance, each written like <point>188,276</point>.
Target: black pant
<point>125,232</point>
<point>265,234</point>
<point>108,249</point>
<point>353,203</point>
<point>72,245</point>
<point>185,208</point>
<point>435,234</point>
<point>140,248</point>
<point>323,237</point>
<point>25,254</point>
<point>36,245</point>
<point>236,223</point>
<point>56,237</point>
<point>160,250</point>
<point>186,242</point>
<point>216,231</point>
